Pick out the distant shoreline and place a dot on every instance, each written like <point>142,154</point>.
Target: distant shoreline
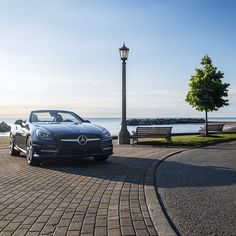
<point>170,121</point>
<point>233,123</point>
<point>164,121</point>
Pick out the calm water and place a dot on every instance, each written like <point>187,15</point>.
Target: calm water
<point>113,124</point>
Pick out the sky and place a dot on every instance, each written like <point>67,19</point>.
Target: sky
<point>65,55</point>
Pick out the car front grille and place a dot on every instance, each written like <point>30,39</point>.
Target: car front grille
<point>69,145</point>
<point>79,151</point>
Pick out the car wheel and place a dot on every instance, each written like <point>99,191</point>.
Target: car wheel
<point>101,158</point>
<point>13,151</point>
<point>30,153</point>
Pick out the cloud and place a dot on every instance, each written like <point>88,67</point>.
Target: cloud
<point>34,86</point>
<point>73,94</point>
<point>157,99</point>
<point>232,91</point>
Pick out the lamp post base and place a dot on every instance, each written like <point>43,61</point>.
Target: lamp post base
<point>124,137</point>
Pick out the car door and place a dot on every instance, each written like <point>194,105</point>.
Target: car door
<point>23,131</point>
<point>17,132</point>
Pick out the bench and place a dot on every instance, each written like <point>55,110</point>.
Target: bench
<point>213,128</point>
<point>152,132</point>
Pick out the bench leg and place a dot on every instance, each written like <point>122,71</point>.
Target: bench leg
<point>134,139</point>
<point>168,139</point>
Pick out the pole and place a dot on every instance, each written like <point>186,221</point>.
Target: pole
<point>206,123</point>
<point>124,136</point>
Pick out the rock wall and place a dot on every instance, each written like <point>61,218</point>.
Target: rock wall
<point>164,121</point>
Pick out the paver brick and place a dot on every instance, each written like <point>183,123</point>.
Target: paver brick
<point>72,233</point>
<point>100,231</point>
<point>37,227</point>
<point>87,229</point>
<point>113,224</point>
<point>53,221</point>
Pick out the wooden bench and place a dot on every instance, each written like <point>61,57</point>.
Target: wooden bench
<point>152,132</point>
<point>213,128</point>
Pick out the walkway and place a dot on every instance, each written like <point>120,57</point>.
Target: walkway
<point>83,197</point>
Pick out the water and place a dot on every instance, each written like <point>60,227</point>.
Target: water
<point>113,124</point>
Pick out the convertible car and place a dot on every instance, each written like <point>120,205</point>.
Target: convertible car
<point>58,134</point>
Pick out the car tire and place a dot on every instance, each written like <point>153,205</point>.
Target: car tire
<point>30,153</point>
<point>101,158</point>
<point>13,151</point>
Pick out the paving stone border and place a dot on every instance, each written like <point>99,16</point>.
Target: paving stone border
<point>162,222</point>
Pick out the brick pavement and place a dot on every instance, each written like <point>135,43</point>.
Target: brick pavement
<point>81,197</point>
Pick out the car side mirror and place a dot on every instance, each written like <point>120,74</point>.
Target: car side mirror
<point>87,121</point>
<point>18,122</point>
<point>24,123</point>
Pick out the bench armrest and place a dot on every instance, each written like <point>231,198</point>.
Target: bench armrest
<point>202,128</point>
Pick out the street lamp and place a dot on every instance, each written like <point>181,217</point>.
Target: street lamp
<point>124,136</point>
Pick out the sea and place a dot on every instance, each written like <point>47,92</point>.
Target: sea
<point>114,124</point>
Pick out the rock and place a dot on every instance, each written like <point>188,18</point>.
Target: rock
<point>4,127</point>
<point>164,121</point>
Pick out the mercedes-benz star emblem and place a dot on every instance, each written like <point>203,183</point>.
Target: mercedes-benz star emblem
<point>82,139</point>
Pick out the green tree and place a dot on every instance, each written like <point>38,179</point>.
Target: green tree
<point>207,92</point>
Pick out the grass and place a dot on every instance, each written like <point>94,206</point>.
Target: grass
<point>191,140</point>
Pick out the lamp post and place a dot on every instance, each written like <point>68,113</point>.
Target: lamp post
<point>124,136</point>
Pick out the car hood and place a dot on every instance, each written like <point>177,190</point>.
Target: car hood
<point>71,128</point>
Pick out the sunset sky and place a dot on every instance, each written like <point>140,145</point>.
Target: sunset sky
<point>65,54</point>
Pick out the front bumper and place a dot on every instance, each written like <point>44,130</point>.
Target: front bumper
<point>72,149</point>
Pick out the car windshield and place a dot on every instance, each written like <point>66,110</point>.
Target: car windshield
<point>54,117</point>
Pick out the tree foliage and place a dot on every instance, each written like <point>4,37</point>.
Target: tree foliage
<point>207,91</point>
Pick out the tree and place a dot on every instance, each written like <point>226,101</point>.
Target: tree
<point>207,91</point>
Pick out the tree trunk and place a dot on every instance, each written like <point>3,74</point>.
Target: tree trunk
<point>206,123</point>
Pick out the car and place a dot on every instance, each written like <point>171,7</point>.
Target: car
<point>52,134</point>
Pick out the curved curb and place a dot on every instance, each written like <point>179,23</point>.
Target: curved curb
<point>161,221</point>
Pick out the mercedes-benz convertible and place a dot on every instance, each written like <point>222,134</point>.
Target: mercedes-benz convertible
<point>59,134</point>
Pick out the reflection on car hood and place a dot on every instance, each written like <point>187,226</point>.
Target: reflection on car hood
<point>71,128</point>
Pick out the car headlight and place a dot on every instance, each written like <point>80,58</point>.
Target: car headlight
<point>106,133</point>
<point>42,134</point>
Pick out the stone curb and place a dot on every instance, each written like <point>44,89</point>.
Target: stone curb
<point>162,224</point>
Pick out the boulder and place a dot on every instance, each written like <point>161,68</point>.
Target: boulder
<point>4,127</point>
